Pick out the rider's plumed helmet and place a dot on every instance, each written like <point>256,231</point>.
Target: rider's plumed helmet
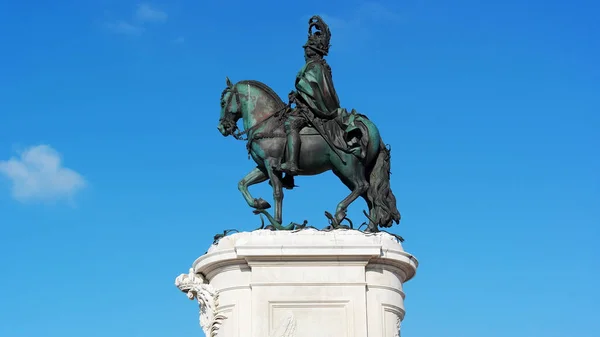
<point>318,40</point>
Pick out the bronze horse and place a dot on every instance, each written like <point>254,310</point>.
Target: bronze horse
<point>367,176</point>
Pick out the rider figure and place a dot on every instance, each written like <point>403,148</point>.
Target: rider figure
<point>315,97</point>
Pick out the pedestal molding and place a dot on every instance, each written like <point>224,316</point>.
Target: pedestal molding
<point>308,251</point>
<point>226,289</point>
<point>375,286</point>
<point>307,284</point>
<point>359,261</point>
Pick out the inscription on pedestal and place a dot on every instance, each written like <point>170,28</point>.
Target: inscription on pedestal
<point>310,318</point>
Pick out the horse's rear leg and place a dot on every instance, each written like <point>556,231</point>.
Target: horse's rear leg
<point>255,176</point>
<point>368,214</point>
<point>353,175</point>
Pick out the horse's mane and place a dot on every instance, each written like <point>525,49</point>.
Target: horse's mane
<point>278,102</point>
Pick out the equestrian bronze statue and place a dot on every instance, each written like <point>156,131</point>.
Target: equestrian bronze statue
<point>307,136</point>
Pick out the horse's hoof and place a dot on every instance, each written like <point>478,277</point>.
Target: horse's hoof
<point>270,227</point>
<point>336,221</point>
<point>297,226</point>
<point>303,225</point>
<point>261,204</point>
<point>370,229</point>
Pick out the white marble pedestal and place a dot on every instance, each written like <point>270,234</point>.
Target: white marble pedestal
<point>308,283</point>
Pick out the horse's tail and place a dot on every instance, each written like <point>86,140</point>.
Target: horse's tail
<point>383,202</point>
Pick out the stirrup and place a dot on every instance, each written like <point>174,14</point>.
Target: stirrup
<point>287,168</point>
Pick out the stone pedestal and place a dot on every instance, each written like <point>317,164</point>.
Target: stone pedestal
<point>308,283</point>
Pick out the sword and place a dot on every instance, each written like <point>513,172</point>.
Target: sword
<point>322,133</point>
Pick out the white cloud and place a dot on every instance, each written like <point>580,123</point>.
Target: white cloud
<point>37,174</point>
<point>143,14</point>
<point>146,13</point>
<point>125,28</point>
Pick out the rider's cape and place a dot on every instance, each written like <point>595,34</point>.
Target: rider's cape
<point>315,88</point>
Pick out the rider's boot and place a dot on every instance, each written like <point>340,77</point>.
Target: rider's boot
<point>290,165</point>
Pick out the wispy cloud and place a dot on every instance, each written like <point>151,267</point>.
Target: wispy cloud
<point>147,13</point>
<point>38,174</point>
<point>125,28</point>
<point>375,11</point>
<point>179,40</point>
<point>143,14</point>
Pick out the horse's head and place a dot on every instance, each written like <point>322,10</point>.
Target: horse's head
<point>231,110</point>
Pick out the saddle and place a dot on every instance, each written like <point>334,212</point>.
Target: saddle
<point>344,132</point>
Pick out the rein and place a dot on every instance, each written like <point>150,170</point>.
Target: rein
<point>237,134</point>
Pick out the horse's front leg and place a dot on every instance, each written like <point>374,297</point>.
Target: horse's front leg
<point>277,185</point>
<point>255,176</point>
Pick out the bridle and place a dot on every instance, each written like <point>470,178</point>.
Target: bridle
<point>228,120</point>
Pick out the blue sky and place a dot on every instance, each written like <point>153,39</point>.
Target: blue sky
<point>491,109</point>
